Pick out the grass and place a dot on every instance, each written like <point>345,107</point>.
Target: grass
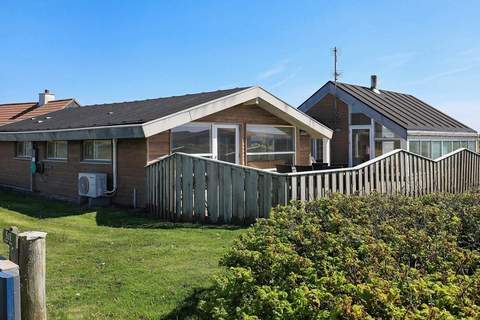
<point>112,264</point>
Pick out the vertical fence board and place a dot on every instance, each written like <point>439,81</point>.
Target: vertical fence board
<point>199,182</point>
<point>251,187</point>
<point>212,192</point>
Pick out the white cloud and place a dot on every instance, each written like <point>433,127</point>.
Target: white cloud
<point>443,74</point>
<point>273,71</point>
<point>396,60</point>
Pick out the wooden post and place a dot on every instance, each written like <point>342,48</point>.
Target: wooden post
<point>32,264</point>
<point>10,237</point>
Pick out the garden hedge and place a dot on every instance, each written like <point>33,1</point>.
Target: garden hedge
<point>374,257</point>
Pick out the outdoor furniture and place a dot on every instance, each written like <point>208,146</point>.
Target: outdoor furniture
<point>303,168</point>
<point>284,168</point>
<point>319,165</point>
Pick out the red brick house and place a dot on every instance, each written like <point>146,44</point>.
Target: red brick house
<point>247,126</point>
<point>11,112</point>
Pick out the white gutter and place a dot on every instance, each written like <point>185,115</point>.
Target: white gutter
<point>441,133</point>
<point>110,193</point>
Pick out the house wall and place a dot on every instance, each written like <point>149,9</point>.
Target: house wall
<point>60,177</point>
<point>13,171</point>
<point>242,115</point>
<point>337,120</point>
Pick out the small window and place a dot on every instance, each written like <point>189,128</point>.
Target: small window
<point>447,147</point>
<point>193,138</point>
<point>414,147</point>
<point>317,149</point>
<point>436,149</point>
<point>97,150</point>
<point>471,146</point>
<point>23,149</point>
<point>57,150</point>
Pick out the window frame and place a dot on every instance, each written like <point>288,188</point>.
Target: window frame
<point>95,159</point>
<point>26,152</point>
<point>55,144</point>
<point>210,125</point>
<point>294,152</point>
<point>443,142</point>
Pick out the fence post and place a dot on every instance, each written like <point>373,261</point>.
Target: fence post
<point>32,252</point>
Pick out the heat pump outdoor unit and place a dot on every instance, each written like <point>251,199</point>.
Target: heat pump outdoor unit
<point>92,185</point>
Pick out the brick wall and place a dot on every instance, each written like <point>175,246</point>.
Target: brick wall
<point>60,178</point>
<point>337,120</point>
<point>13,172</point>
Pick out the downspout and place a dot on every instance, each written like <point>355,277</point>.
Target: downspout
<point>111,193</point>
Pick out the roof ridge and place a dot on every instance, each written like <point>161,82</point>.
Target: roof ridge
<point>368,88</point>
<point>34,102</point>
<point>16,103</point>
<point>168,97</point>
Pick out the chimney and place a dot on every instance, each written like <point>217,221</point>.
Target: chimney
<point>374,83</point>
<point>45,97</point>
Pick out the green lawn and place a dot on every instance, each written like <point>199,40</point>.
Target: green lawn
<point>111,264</point>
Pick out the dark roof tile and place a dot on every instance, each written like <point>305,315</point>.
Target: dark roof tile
<point>404,109</point>
<point>121,113</point>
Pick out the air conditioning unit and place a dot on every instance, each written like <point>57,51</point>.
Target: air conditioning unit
<point>92,185</point>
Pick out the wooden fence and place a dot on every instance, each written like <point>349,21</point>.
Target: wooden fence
<point>396,172</point>
<point>183,187</point>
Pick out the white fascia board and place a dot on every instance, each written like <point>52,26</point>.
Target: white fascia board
<point>412,133</point>
<point>197,112</point>
<point>281,109</point>
<point>294,116</point>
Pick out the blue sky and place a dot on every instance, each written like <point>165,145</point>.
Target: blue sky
<point>103,51</point>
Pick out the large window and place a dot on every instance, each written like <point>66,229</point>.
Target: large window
<point>268,146</point>
<point>23,149</point>
<point>317,149</point>
<point>57,150</point>
<point>437,148</point>
<point>194,138</point>
<point>97,150</point>
<point>385,140</point>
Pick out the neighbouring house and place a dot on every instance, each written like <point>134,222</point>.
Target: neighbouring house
<point>11,112</point>
<point>368,122</point>
<point>247,126</point>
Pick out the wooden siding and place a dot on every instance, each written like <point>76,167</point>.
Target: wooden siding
<point>337,120</point>
<point>241,115</point>
<point>158,145</point>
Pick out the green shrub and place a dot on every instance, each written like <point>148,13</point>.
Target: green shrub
<point>372,257</point>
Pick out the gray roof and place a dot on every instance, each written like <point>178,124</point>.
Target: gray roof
<point>112,114</point>
<point>406,110</point>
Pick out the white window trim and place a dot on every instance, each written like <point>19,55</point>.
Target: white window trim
<point>294,152</point>
<point>26,156</point>
<point>215,127</point>
<point>86,160</point>
<point>197,124</point>
<point>55,151</point>
<point>442,139</point>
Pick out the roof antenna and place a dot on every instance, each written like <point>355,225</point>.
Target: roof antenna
<point>336,75</point>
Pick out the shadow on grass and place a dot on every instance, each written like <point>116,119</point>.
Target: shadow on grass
<point>140,220</point>
<point>38,207</point>
<point>187,308</point>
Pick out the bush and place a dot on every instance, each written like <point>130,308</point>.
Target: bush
<point>372,257</point>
